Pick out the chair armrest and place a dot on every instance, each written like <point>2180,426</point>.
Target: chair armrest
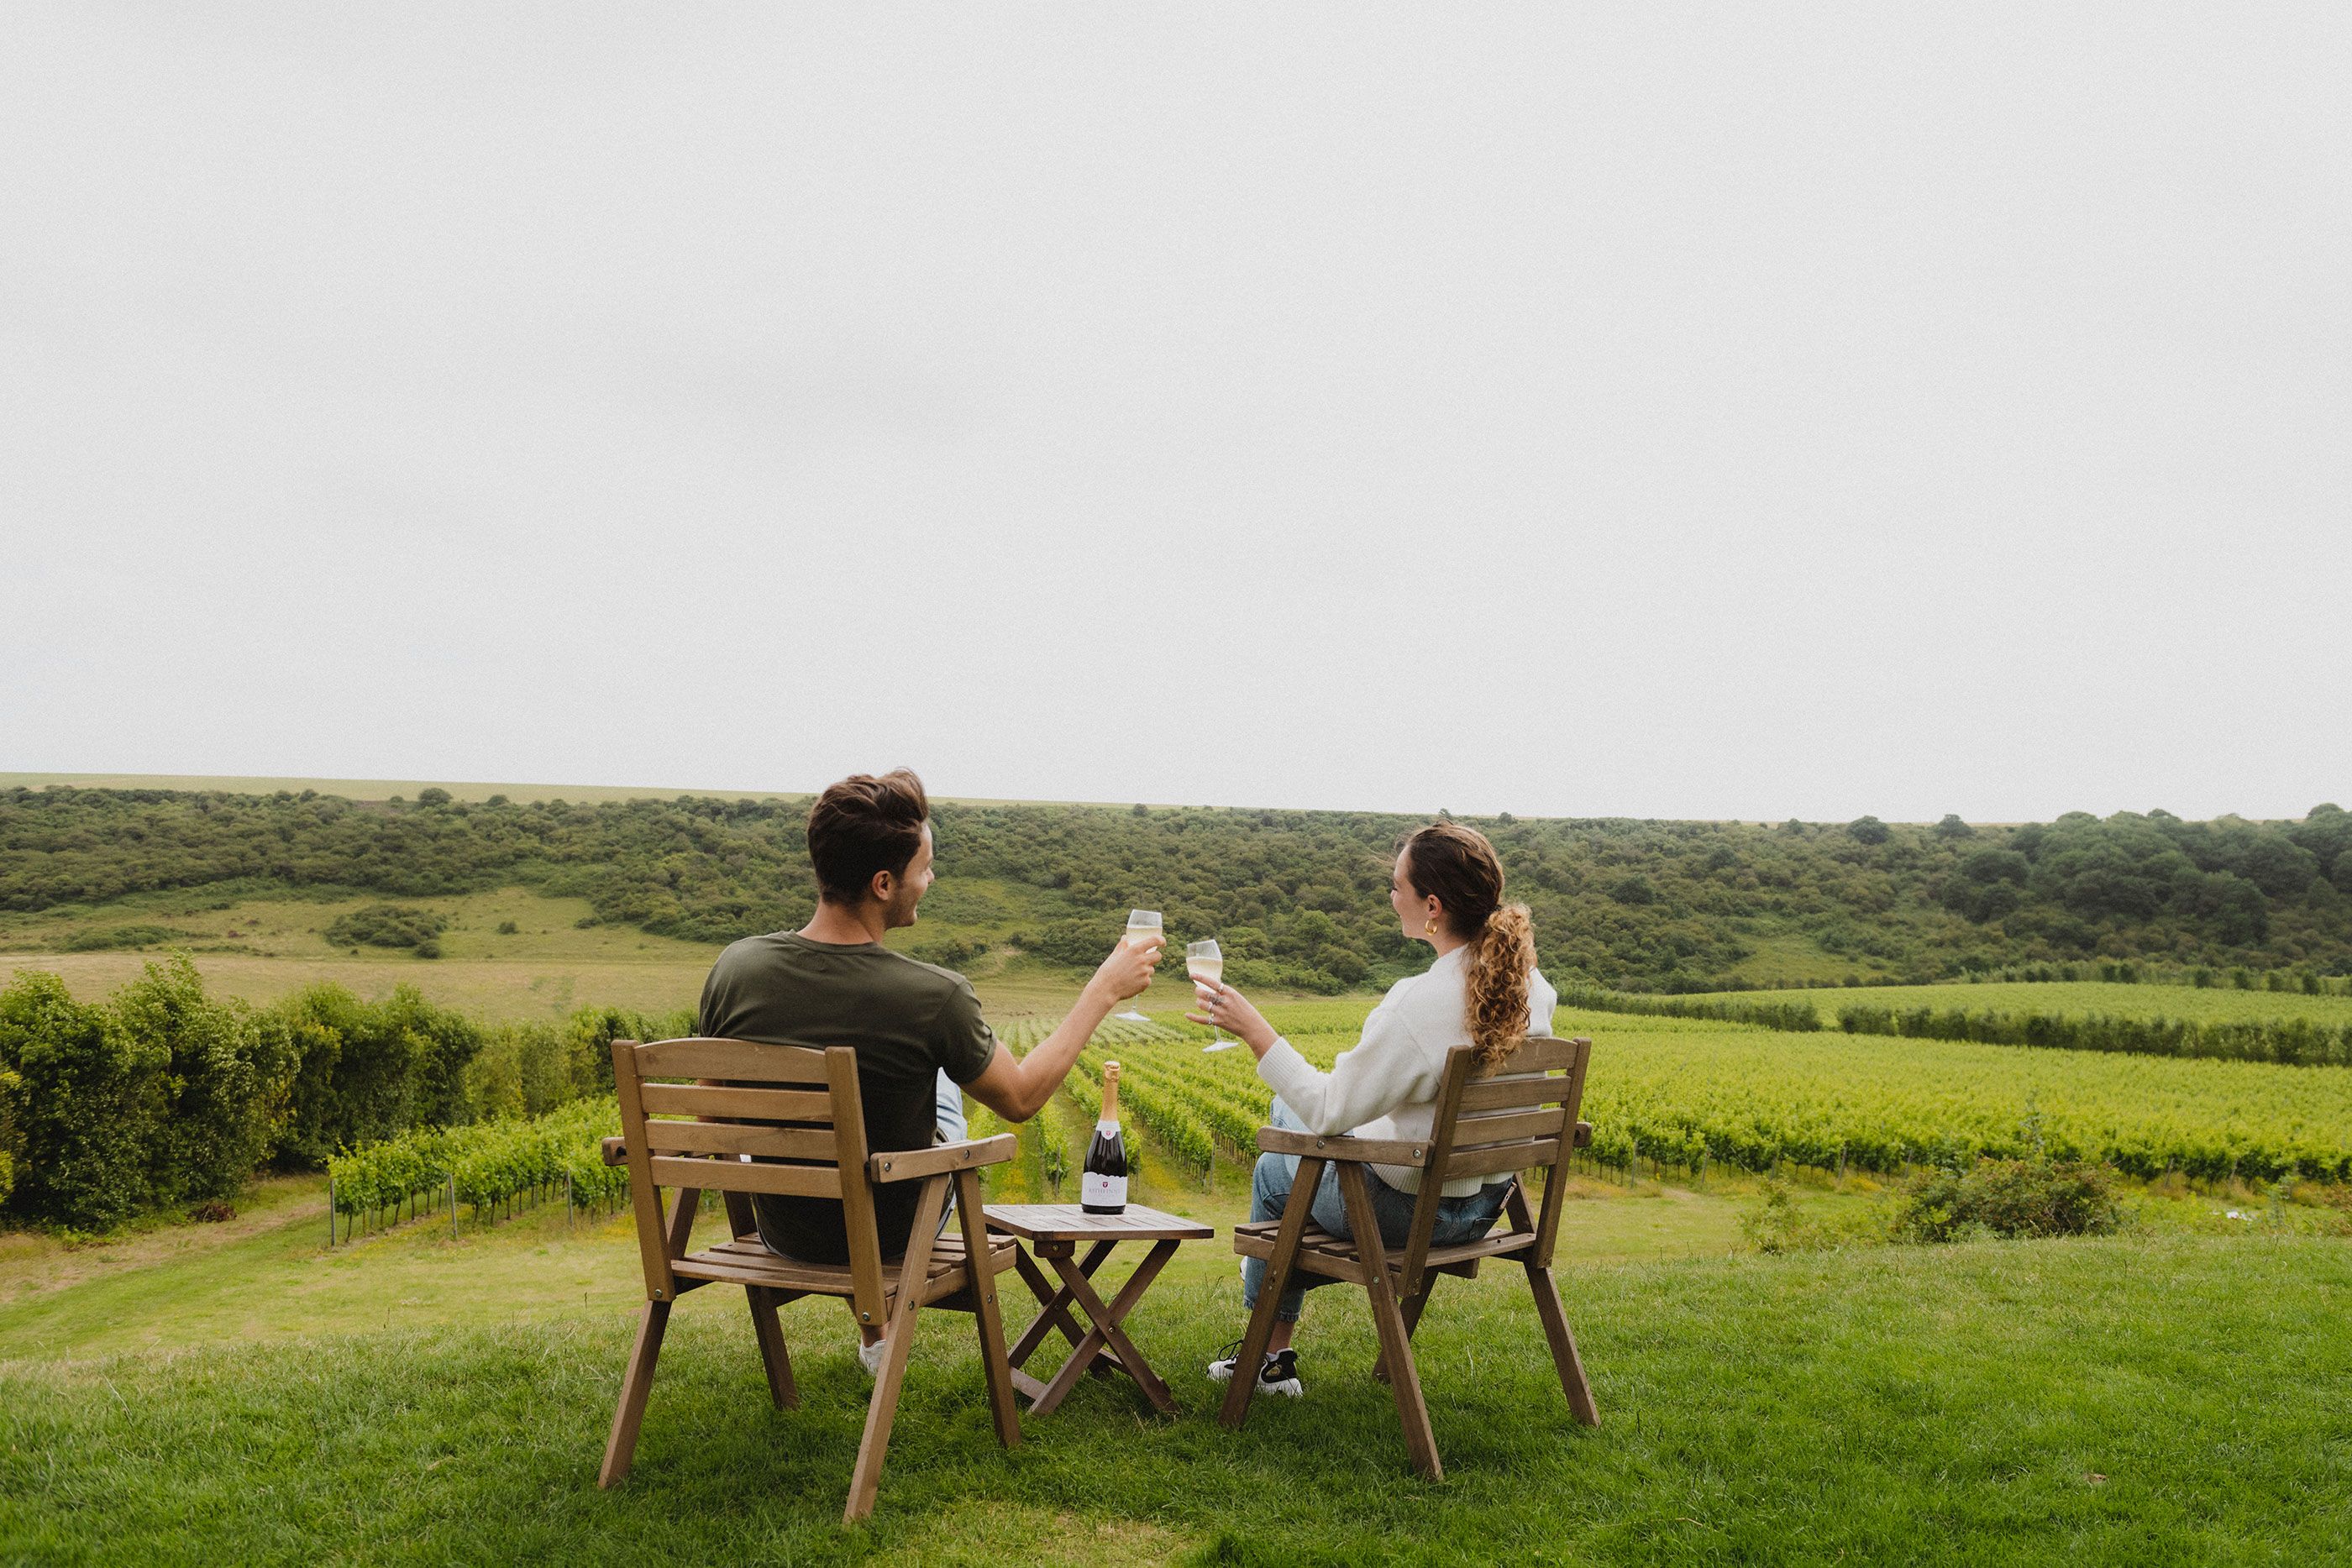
<point>1583,1139</point>
<point>1341,1146</point>
<point>617,1151</point>
<point>907,1164</point>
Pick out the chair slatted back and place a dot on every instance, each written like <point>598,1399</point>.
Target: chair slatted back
<point>736,1117</point>
<point>1518,1116</point>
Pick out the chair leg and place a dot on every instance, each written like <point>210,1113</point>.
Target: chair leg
<point>1396,1344</point>
<point>635,1384</point>
<point>772,1354</point>
<point>1235,1409</point>
<point>990,1322</point>
<point>1563,1345</point>
<point>866,1479</point>
<point>898,1340</point>
<point>1411,1309</point>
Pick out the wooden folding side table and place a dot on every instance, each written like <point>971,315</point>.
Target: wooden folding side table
<point>1053,1231</point>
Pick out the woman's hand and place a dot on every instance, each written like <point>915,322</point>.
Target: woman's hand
<point>1127,971</point>
<point>1222,1007</point>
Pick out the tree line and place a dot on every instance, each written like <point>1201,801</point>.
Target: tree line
<point>1296,897</point>
<point>164,1095</point>
<point>2295,1043</point>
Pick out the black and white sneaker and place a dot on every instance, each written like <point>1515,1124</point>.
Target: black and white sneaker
<point>1279,1373</point>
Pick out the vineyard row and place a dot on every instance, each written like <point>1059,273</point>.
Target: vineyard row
<point>1691,1093</point>
<point>484,1164</point>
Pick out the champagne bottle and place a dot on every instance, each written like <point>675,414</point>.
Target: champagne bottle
<point>1103,1187</point>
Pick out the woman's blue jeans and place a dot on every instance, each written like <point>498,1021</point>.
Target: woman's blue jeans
<point>1459,1220</point>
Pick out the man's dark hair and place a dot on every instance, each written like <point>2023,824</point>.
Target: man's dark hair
<point>864,825</point>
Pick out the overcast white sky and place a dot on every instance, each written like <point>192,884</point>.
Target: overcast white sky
<point>1712,411</point>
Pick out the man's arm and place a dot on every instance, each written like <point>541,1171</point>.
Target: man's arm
<point>1017,1087</point>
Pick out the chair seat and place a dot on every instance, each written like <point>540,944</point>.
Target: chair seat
<point>744,1262</point>
<point>1321,1252</point>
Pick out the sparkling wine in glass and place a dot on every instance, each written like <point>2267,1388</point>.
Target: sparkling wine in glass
<point>1143,928</point>
<point>1205,961</point>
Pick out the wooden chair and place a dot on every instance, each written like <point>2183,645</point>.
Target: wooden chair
<point>1518,1116</point>
<point>795,1113</point>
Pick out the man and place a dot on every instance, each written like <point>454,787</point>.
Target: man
<point>916,1027</point>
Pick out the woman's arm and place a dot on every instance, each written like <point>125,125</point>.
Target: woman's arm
<point>1382,1071</point>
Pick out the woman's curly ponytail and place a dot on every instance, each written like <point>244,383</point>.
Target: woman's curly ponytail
<point>1458,867</point>
<point>1500,956</point>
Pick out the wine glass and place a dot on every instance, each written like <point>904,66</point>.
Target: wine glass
<point>1142,925</point>
<point>1205,961</point>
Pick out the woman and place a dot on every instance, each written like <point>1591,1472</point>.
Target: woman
<point>1447,891</point>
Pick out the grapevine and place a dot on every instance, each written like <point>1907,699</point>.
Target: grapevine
<point>1686,1091</point>
<point>486,1164</point>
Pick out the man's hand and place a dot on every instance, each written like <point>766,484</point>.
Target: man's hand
<point>1127,971</point>
<point>1015,1086</point>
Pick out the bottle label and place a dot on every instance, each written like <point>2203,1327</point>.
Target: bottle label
<point>1103,1191</point>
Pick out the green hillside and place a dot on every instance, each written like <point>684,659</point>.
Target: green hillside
<point>1297,898</point>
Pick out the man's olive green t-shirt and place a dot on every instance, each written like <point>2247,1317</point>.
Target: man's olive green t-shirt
<point>906,1021</point>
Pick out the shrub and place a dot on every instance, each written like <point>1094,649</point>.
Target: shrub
<point>386,926</point>
<point>11,1150</point>
<point>2294,1041</point>
<point>1777,1224</point>
<point>530,1068</point>
<point>120,936</point>
<point>443,1042</point>
<point>1635,889</point>
<point>369,1070</point>
<point>1795,1017</point>
<point>83,1107</point>
<point>947,952</point>
<point>2009,1198</point>
<point>1073,942</point>
<point>589,1034</point>
<point>224,1086</point>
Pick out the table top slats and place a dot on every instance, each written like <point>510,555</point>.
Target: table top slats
<point>1070,1222</point>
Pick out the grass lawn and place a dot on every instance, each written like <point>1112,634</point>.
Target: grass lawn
<point>239,1394</point>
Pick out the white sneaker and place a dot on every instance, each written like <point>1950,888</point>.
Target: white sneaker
<point>869,1356</point>
<point>1279,1373</point>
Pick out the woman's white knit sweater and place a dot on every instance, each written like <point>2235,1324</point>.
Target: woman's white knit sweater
<point>1386,1087</point>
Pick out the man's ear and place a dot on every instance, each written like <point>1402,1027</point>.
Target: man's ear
<point>882,886</point>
